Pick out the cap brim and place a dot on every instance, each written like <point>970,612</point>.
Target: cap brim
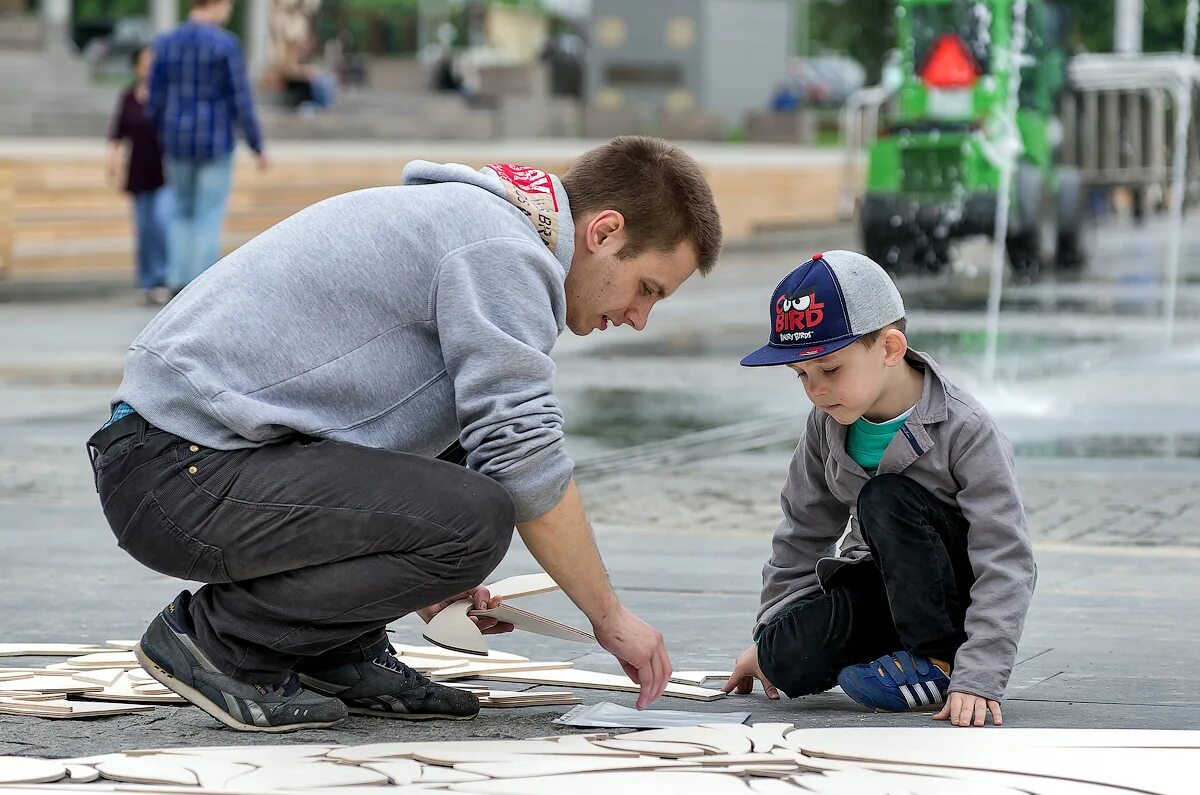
<point>769,355</point>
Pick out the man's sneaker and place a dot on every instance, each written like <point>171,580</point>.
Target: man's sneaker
<point>387,688</point>
<point>896,683</point>
<point>169,655</point>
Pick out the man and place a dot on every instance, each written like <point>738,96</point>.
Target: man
<point>278,428</point>
<point>198,92</point>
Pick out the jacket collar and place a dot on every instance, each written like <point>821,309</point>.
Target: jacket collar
<point>913,439</point>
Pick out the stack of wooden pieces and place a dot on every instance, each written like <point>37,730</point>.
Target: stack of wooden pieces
<point>719,759</point>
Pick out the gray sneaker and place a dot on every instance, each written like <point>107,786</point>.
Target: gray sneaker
<point>169,655</point>
<point>387,688</point>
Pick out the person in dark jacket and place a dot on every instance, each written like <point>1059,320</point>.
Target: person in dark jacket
<point>133,130</point>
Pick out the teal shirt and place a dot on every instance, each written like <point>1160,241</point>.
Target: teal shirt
<point>866,440</point>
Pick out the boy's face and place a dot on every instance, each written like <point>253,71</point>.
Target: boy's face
<point>846,384</point>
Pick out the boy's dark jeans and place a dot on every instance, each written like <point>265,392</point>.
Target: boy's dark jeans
<point>308,547</point>
<point>913,595</point>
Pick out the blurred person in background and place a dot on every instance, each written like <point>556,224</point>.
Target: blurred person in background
<point>143,180</point>
<point>199,91</point>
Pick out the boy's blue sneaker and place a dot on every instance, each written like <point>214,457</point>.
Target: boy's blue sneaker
<point>896,683</point>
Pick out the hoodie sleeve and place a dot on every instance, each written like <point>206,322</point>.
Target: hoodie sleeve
<point>499,306</point>
<point>1001,558</point>
<point>813,520</point>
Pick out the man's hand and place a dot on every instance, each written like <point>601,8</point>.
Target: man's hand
<point>967,709</point>
<point>641,651</point>
<point>745,671</point>
<point>482,600</point>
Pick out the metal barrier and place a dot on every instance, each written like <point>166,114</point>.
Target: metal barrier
<point>1117,137</point>
<point>859,124</point>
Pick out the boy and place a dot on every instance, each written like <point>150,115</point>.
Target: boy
<point>922,604</point>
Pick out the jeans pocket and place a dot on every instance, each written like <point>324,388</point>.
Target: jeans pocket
<point>156,542</point>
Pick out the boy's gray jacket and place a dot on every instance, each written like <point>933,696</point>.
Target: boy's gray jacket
<point>400,318</point>
<point>951,446</point>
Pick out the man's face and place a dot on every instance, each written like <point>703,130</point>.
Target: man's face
<point>604,290</point>
<point>223,11</point>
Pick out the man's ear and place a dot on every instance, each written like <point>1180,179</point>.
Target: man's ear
<point>606,226</point>
<point>895,345</point>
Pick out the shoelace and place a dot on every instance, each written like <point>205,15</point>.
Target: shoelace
<point>412,679</point>
<point>287,688</point>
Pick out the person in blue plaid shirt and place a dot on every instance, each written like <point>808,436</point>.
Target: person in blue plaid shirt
<point>198,92</point>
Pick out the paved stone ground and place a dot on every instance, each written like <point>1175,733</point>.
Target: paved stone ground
<point>1102,415</point>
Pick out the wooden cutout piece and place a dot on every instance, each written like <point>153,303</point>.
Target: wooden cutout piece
<point>698,677</point>
<point>651,748</point>
<point>251,754</point>
<point>82,774</point>
<point>431,774</point>
<point>449,654</point>
<point>523,585</point>
<point>106,659</point>
<point>1147,769</point>
<point>127,689</point>
<point>721,741</point>
<point>450,753</point>
<point>532,622</point>
<point>576,677</point>
<point>148,770</point>
<point>78,709</point>
<point>452,628</point>
<point>538,766</point>
<point>306,775</point>
<point>41,683</point>
<point>764,736</point>
<point>27,770</point>
<point>398,771</point>
<point>47,649</point>
<point>100,676</point>
<point>477,670</point>
<point>607,783</point>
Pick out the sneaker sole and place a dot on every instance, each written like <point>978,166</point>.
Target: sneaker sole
<point>196,698</point>
<point>374,713</point>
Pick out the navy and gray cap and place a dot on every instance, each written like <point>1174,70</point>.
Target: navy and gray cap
<point>826,304</point>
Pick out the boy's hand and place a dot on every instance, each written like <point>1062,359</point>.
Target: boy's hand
<point>966,709</point>
<point>745,671</point>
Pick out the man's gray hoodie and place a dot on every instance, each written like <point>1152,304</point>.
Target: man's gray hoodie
<point>401,318</point>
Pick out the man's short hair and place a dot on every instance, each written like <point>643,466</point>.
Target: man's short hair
<point>658,188</point>
<point>204,3</point>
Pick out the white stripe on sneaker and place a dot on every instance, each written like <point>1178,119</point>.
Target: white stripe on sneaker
<point>908,696</point>
<point>934,696</point>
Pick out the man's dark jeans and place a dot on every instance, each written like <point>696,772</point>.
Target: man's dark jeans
<point>912,594</point>
<point>308,547</point>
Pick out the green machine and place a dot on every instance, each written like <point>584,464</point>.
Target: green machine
<point>933,174</point>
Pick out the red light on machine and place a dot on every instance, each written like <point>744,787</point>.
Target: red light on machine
<point>950,64</point>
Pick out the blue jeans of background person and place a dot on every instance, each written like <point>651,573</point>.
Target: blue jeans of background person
<point>200,189</point>
<point>152,218</point>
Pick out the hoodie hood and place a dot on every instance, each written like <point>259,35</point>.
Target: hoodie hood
<point>536,193</point>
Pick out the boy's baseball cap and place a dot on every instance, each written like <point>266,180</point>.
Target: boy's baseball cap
<point>826,304</point>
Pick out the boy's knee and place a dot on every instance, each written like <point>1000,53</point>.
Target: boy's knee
<point>884,496</point>
<point>797,669</point>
